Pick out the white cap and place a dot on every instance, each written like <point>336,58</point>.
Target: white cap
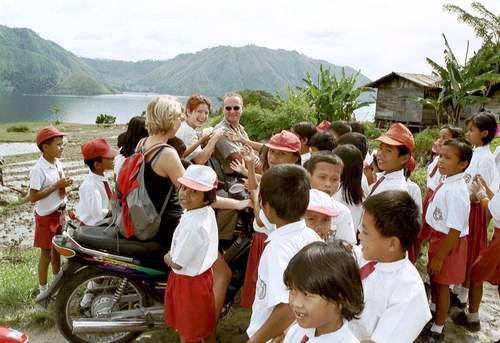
<point>200,178</point>
<point>321,202</point>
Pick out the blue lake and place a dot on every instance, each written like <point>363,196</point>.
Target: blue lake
<point>85,109</point>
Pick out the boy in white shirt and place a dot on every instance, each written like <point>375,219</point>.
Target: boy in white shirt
<point>95,192</point>
<point>325,169</point>
<point>396,307</point>
<point>271,314</point>
<point>325,292</point>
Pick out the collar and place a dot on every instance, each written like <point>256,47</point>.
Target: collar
<point>454,178</point>
<point>196,211</point>
<point>47,164</point>
<point>287,230</point>
<point>392,266</point>
<point>340,333</point>
<point>398,174</point>
<point>482,148</point>
<point>226,123</point>
<point>97,176</point>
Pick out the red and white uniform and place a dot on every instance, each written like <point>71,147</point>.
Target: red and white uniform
<point>189,297</point>
<point>396,308</point>
<point>394,181</point>
<point>49,211</point>
<point>282,244</point>
<point>297,334</point>
<point>342,224</point>
<point>449,209</point>
<point>434,177</point>
<point>355,209</point>
<point>93,205</point>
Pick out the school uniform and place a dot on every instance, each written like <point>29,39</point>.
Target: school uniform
<point>356,210</point>
<point>482,163</point>
<point>449,209</point>
<point>256,249</point>
<point>49,211</point>
<point>94,203</point>
<point>433,179</point>
<point>396,308</point>
<point>342,224</point>
<point>189,297</point>
<point>281,245</point>
<point>297,334</point>
<point>394,181</point>
<point>305,157</point>
<point>487,265</point>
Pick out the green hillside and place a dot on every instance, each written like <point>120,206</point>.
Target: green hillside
<point>33,65</point>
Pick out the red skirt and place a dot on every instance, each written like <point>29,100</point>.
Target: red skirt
<point>453,270</point>
<point>487,265</point>
<point>46,227</point>
<point>190,305</point>
<point>256,250</point>
<point>478,235</point>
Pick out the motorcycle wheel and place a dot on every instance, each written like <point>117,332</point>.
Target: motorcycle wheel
<point>71,294</point>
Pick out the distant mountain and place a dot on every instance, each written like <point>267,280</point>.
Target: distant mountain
<point>31,64</point>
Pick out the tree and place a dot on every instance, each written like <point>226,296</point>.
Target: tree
<point>55,110</point>
<point>332,98</point>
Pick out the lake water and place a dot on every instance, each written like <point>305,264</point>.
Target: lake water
<point>85,109</point>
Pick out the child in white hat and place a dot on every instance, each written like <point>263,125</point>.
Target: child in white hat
<point>189,297</point>
<point>319,214</point>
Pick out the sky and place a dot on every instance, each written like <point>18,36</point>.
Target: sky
<point>377,37</point>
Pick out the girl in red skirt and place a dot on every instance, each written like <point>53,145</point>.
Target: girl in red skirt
<point>487,265</point>
<point>481,129</point>
<point>189,297</point>
<point>282,148</point>
<point>448,215</point>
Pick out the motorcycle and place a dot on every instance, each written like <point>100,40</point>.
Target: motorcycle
<point>111,289</point>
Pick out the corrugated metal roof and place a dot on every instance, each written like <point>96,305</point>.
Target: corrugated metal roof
<point>424,80</point>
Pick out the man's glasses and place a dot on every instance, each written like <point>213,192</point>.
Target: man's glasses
<point>229,108</point>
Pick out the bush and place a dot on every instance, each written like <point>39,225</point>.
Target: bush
<point>18,128</point>
<point>105,119</point>
<point>423,145</point>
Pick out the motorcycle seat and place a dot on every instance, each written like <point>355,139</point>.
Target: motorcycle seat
<point>96,237</point>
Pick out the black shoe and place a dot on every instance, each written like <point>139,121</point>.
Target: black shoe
<point>435,337</point>
<point>461,319</point>
<point>455,301</point>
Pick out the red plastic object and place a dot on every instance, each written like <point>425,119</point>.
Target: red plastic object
<point>8,335</point>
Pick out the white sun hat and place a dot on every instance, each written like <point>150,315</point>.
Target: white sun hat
<point>321,202</point>
<point>200,178</point>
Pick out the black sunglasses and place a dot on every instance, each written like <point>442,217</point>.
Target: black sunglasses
<point>229,108</point>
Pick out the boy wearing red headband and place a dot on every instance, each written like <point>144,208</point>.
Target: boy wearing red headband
<point>48,193</point>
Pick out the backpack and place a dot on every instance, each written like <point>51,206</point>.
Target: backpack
<point>134,214</point>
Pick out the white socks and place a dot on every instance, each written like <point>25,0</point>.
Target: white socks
<point>472,317</point>
<point>42,288</point>
<point>437,328</point>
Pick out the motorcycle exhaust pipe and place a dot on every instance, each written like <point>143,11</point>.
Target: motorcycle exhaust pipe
<point>82,326</point>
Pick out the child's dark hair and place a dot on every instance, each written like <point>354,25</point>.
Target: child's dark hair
<point>395,214</point>
<point>357,126</point>
<point>323,141</point>
<point>178,145</point>
<point>403,150</point>
<point>209,197</point>
<point>329,270</point>
<point>352,173</point>
<point>281,183</point>
<point>455,132</point>
<point>90,163</point>
<point>136,130</point>
<point>47,141</point>
<point>484,121</point>
<point>463,149</point>
<point>304,130</point>
<point>340,127</point>
<point>322,156</point>
<point>356,139</point>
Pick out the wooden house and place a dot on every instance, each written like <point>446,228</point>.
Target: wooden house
<point>396,94</point>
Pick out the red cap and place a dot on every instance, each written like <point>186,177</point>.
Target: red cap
<point>284,141</point>
<point>47,133</point>
<point>323,126</point>
<point>397,135</point>
<point>97,148</point>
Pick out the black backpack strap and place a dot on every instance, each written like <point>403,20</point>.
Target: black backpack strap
<point>167,198</point>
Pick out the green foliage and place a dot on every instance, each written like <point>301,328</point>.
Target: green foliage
<point>334,98</point>
<point>261,123</point>
<point>423,145</point>
<point>419,176</point>
<point>259,97</point>
<point>18,128</point>
<point>372,132</point>
<point>105,119</point>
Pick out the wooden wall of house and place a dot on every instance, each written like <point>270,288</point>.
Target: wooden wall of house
<point>395,101</point>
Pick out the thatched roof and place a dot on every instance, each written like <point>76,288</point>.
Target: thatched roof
<point>428,81</point>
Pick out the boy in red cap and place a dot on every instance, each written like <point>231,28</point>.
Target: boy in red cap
<point>95,192</point>
<point>48,193</point>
